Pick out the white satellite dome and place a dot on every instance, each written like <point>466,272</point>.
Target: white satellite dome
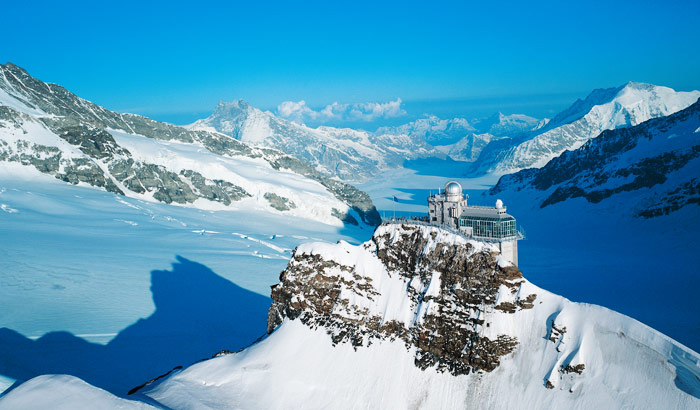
<point>453,188</point>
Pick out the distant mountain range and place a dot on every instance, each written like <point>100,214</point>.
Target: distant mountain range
<point>461,140</point>
<point>658,161</point>
<point>348,154</point>
<point>603,109</point>
<point>46,127</point>
<point>499,144</point>
<point>356,155</point>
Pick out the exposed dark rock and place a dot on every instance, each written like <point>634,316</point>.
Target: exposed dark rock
<point>215,190</point>
<point>142,178</point>
<point>447,337</point>
<point>359,201</point>
<point>578,369</point>
<point>279,202</point>
<point>50,160</point>
<point>685,194</point>
<point>556,333</point>
<point>93,141</point>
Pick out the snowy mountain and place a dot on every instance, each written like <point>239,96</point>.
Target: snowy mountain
<point>604,109</point>
<point>502,125</point>
<point>654,165</point>
<point>468,148</point>
<point>462,140</point>
<point>62,392</point>
<point>418,317</point>
<point>433,130</point>
<point>46,127</point>
<point>421,318</point>
<point>348,154</point>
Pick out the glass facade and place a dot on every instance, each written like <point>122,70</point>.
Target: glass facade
<point>490,227</point>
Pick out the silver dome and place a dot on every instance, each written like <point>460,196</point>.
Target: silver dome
<point>453,188</point>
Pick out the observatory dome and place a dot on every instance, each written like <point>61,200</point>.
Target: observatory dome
<point>453,188</point>
<point>453,191</point>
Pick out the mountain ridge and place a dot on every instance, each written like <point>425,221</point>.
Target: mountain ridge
<point>85,146</point>
<point>345,153</point>
<point>603,109</point>
<point>659,160</point>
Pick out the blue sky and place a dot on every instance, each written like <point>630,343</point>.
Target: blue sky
<point>175,61</point>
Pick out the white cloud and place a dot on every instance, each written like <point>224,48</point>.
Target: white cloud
<point>296,111</point>
<point>368,111</point>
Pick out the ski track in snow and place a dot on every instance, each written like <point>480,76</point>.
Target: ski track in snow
<point>264,243</point>
<point>8,209</point>
<point>132,223</point>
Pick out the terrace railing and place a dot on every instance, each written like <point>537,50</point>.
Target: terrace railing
<point>424,221</point>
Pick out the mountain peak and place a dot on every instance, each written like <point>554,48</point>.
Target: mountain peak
<point>13,67</point>
<point>240,103</point>
<point>231,109</point>
<point>640,86</point>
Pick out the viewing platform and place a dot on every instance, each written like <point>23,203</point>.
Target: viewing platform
<point>424,221</point>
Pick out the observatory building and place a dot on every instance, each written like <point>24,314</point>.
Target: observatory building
<point>483,223</point>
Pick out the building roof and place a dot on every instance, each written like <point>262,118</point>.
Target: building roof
<point>486,212</point>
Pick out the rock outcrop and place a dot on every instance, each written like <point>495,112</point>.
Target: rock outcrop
<point>449,292</point>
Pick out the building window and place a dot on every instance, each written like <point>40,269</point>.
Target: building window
<point>490,227</point>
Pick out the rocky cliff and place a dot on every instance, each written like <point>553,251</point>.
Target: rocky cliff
<point>450,290</point>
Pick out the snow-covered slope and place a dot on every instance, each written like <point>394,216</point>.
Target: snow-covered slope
<point>116,290</point>
<point>602,110</point>
<point>421,318</point>
<point>656,164</point>
<point>62,392</point>
<point>348,154</point>
<point>48,128</point>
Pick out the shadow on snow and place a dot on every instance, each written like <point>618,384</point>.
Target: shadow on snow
<point>198,313</point>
